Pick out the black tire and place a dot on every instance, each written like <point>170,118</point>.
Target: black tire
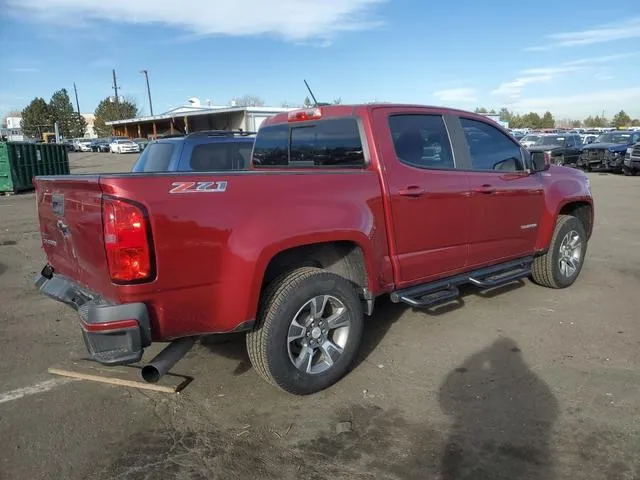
<point>628,172</point>
<point>546,268</point>
<point>284,297</point>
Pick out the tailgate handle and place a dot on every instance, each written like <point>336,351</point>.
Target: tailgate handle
<point>63,227</point>
<point>57,204</point>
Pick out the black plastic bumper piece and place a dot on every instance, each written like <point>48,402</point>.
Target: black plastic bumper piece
<point>114,334</point>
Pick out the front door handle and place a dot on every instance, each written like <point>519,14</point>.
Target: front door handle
<point>486,189</point>
<point>412,191</point>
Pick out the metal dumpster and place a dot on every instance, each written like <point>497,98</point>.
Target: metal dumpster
<point>21,161</point>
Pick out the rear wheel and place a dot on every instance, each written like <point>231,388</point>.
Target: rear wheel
<point>308,331</point>
<point>561,265</point>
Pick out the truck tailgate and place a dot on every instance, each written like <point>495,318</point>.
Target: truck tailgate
<point>69,211</point>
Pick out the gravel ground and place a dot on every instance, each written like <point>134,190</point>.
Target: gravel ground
<point>524,383</point>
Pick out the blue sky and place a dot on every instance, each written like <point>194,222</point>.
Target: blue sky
<point>574,58</point>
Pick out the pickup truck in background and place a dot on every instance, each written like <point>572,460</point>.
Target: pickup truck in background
<point>561,148</point>
<point>631,164</point>
<point>608,151</point>
<point>341,204</point>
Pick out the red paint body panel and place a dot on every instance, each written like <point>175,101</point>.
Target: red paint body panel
<point>506,209</point>
<point>212,248</point>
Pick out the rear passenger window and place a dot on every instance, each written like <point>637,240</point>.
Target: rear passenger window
<point>490,149</point>
<point>156,157</point>
<point>271,147</point>
<point>327,143</point>
<point>421,141</point>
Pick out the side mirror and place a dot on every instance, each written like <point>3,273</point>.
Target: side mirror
<point>540,162</point>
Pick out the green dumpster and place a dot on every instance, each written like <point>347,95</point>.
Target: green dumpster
<point>21,161</point>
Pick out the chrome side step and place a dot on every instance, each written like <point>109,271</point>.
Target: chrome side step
<point>432,293</point>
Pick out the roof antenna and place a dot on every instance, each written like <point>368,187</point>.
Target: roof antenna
<point>312,95</point>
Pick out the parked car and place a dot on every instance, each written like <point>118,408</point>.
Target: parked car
<point>142,142</point>
<point>631,163</point>
<point>216,150</point>
<point>100,145</point>
<point>608,151</point>
<point>530,139</point>
<point>68,143</point>
<point>561,149</point>
<point>342,204</point>
<point>82,145</point>
<point>124,146</point>
<point>588,138</point>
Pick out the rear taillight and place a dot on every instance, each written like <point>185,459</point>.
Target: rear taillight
<point>126,241</point>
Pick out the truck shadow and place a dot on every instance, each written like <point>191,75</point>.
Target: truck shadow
<point>3,268</point>
<point>229,345</point>
<point>232,345</point>
<point>502,417</point>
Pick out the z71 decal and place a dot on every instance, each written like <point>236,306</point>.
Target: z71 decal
<point>195,187</point>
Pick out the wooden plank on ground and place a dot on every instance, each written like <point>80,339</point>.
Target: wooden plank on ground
<point>122,375</point>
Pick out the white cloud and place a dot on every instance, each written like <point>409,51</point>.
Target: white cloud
<point>584,103</point>
<point>295,20</point>
<point>512,90</point>
<point>456,95</point>
<point>603,59</point>
<point>623,30</point>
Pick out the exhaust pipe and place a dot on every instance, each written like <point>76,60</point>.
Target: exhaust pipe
<point>166,359</point>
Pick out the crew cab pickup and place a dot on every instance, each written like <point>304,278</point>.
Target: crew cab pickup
<point>341,204</point>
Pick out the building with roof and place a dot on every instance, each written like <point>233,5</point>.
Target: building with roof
<point>193,118</point>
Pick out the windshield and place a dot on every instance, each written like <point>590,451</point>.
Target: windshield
<point>613,138</point>
<point>530,138</point>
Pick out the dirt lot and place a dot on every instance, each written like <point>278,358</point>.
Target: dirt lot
<point>525,383</point>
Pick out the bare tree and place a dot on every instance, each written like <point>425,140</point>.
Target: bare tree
<point>249,101</point>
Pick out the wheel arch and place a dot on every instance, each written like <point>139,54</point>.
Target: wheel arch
<point>582,210</point>
<point>348,257</point>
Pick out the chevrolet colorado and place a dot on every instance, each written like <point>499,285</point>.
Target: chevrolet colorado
<point>341,204</point>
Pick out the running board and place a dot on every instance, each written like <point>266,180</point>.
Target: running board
<point>428,294</point>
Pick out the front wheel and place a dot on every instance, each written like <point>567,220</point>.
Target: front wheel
<point>561,265</point>
<point>308,331</point>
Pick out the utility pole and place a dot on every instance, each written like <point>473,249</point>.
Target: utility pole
<point>115,84</point>
<point>146,76</point>
<point>77,103</point>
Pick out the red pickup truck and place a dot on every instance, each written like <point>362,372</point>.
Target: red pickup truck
<point>342,204</point>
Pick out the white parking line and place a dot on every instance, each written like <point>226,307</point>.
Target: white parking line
<point>33,389</point>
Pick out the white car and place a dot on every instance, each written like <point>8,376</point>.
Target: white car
<point>529,140</point>
<point>124,146</point>
<point>82,145</point>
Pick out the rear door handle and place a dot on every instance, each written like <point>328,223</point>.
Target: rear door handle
<point>412,191</point>
<point>486,189</point>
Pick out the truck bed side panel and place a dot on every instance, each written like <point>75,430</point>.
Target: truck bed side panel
<point>212,248</point>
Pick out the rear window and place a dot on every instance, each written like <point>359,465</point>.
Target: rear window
<point>327,143</point>
<point>155,158</point>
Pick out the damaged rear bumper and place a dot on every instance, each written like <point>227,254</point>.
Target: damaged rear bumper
<point>114,334</point>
